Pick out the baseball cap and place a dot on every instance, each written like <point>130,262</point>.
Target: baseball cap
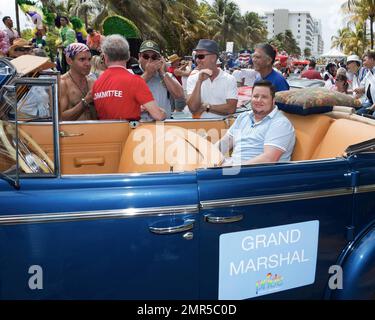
<point>149,45</point>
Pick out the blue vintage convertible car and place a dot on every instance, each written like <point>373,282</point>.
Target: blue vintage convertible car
<point>119,210</point>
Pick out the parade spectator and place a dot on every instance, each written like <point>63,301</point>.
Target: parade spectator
<point>330,74</point>
<point>75,100</point>
<point>368,84</point>
<point>119,94</point>
<point>185,70</point>
<point>212,92</point>
<point>358,73</point>
<point>97,66</point>
<point>38,41</point>
<point>341,84</point>
<point>263,59</point>
<point>10,31</point>
<point>175,60</point>
<point>245,76</point>
<point>261,135</point>
<point>311,73</point>
<point>4,43</point>
<point>19,48</point>
<point>67,37</point>
<point>94,41</point>
<point>166,90</point>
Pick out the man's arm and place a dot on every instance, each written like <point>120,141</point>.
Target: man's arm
<point>270,154</point>
<point>173,86</point>
<point>222,109</point>
<point>225,144</point>
<point>194,99</point>
<point>75,112</point>
<point>155,112</point>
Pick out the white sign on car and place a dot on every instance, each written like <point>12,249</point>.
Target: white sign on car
<point>263,261</point>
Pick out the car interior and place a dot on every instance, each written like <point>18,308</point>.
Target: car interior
<point>96,147</point>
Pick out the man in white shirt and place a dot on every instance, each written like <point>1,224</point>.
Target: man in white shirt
<point>245,76</point>
<point>12,33</point>
<point>211,93</point>
<point>367,86</point>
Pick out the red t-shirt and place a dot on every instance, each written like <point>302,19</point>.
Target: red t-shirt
<point>118,94</point>
<point>311,74</point>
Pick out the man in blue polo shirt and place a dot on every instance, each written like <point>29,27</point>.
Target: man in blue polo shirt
<point>261,135</point>
<point>263,59</point>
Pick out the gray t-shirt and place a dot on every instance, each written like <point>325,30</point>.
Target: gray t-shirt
<point>161,96</point>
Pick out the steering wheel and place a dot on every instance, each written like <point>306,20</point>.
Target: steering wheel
<point>32,158</point>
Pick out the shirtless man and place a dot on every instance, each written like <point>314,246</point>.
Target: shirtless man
<point>75,98</point>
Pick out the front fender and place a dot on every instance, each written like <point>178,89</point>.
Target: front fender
<point>358,265</point>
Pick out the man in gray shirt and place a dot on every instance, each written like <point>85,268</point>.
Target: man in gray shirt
<point>163,85</point>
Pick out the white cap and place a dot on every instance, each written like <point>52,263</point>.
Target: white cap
<point>353,57</point>
<point>218,61</point>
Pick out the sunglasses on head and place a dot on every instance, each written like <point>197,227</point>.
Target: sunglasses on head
<point>202,56</point>
<point>22,49</point>
<point>153,57</point>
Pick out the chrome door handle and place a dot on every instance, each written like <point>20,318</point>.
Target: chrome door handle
<point>187,225</point>
<point>64,134</point>
<point>211,219</point>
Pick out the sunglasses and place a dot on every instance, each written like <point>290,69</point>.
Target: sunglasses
<point>22,49</point>
<point>153,57</point>
<point>202,56</point>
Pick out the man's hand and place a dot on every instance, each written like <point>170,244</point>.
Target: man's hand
<point>88,97</point>
<point>163,66</point>
<point>153,66</point>
<point>359,91</point>
<point>204,74</point>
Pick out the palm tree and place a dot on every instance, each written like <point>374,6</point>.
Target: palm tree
<point>83,8</point>
<point>339,41</point>
<point>254,29</point>
<point>365,9</point>
<point>225,18</point>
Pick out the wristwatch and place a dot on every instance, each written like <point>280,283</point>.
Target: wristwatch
<point>84,102</point>
<point>208,106</point>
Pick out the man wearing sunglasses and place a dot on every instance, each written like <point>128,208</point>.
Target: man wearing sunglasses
<point>163,85</point>
<point>211,93</point>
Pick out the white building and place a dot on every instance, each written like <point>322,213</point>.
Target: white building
<point>318,45</point>
<point>305,29</point>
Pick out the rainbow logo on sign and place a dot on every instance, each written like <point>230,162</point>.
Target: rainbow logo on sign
<point>272,282</point>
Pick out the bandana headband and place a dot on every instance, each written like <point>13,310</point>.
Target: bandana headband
<point>74,48</point>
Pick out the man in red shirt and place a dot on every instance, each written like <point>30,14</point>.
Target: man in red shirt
<point>311,73</point>
<point>94,41</point>
<point>119,94</point>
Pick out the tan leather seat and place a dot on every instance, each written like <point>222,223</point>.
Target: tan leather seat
<point>159,148</point>
<point>341,134</point>
<point>309,131</point>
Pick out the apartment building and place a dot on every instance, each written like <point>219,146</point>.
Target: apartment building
<point>306,30</point>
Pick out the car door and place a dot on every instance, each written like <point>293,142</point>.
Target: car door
<point>272,231</point>
<point>99,237</point>
<point>94,236</point>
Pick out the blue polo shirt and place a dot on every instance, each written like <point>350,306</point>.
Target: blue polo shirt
<point>277,80</point>
<point>250,137</point>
